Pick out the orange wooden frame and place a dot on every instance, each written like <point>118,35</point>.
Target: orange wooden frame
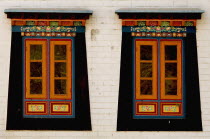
<point>155,104</point>
<point>138,78</point>
<point>43,43</point>
<point>68,77</point>
<point>69,112</point>
<point>44,103</point>
<point>178,43</point>
<point>179,113</point>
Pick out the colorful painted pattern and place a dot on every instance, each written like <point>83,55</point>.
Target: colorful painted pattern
<point>47,29</point>
<point>36,107</point>
<point>56,34</point>
<point>158,34</point>
<point>189,23</point>
<point>48,23</point>
<point>168,108</point>
<point>63,108</point>
<point>165,23</point>
<point>146,108</point>
<point>60,108</point>
<point>154,22</point>
<point>158,29</point>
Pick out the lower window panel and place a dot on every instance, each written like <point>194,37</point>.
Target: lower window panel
<point>158,110</point>
<point>46,109</point>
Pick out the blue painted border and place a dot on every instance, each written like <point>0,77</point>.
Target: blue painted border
<point>189,29</point>
<point>158,101</point>
<point>79,29</point>
<point>48,100</point>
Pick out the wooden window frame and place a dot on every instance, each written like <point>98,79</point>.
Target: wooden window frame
<point>68,78</point>
<point>158,77</point>
<point>48,95</point>
<point>42,42</point>
<point>178,43</point>
<point>154,68</point>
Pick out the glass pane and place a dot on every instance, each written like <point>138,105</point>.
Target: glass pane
<point>60,86</point>
<point>36,69</point>
<point>170,69</point>
<point>171,87</point>
<point>60,52</point>
<point>35,52</point>
<point>60,69</point>
<point>146,69</point>
<point>146,87</point>
<point>170,52</point>
<point>35,86</point>
<point>146,52</point>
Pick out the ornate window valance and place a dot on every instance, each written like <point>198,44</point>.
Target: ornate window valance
<point>48,22</point>
<point>159,22</point>
<point>159,13</point>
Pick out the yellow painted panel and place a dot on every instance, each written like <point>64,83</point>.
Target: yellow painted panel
<point>146,108</point>
<point>36,107</point>
<point>61,108</point>
<point>170,108</point>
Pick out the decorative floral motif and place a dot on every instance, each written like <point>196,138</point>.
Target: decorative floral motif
<point>141,23</point>
<point>30,23</point>
<point>171,108</point>
<point>165,23</point>
<point>77,23</point>
<point>158,34</point>
<point>129,23</point>
<point>188,23</point>
<point>158,29</point>
<point>162,23</point>
<point>153,23</point>
<point>36,108</point>
<point>48,29</point>
<point>53,23</point>
<point>146,108</point>
<point>42,23</point>
<point>60,108</point>
<point>57,34</point>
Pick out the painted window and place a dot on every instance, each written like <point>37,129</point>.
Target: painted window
<point>158,78</point>
<point>48,81</point>
<point>48,78</point>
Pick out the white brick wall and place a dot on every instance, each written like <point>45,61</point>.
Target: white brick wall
<point>103,36</point>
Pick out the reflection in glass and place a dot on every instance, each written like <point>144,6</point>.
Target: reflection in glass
<point>36,69</point>
<point>35,86</point>
<point>60,69</point>
<point>171,87</point>
<point>35,52</point>
<point>146,52</point>
<point>146,87</point>
<point>60,52</point>
<point>146,69</point>
<point>170,69</point>
<point>170,52</point>
<point>60,86</point>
